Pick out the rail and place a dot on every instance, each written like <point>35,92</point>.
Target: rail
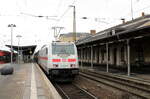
<point>138,87</point>
<point>72,91</point>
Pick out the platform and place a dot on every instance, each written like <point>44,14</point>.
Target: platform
<point>27,82</point>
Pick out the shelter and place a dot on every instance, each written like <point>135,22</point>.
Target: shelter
<point>123,46</point>
<point>25,52</point>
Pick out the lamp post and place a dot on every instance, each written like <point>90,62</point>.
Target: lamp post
<point>132,9</point>
<point>18,36</point>
<point>11,26</point>
<point>74,22</point>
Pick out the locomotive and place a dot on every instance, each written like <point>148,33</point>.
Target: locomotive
<point>59,60</point>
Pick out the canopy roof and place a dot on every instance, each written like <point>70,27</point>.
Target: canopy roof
<point>26,50</point>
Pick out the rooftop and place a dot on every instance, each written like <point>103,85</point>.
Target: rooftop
<point>127,27</point>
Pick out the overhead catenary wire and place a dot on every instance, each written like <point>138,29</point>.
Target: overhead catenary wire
<point>143,8</point>
<point>58,6</point>
<point>66,11</point>
<point>138,10</point>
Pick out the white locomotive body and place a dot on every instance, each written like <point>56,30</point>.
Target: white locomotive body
<point>59,60</point>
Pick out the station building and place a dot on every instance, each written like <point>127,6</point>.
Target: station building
<point>123,46</point>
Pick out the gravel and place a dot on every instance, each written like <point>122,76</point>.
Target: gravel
<point>102,91</point>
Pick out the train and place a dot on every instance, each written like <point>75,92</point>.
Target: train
<point>59,60</point>
<point>5,56</point>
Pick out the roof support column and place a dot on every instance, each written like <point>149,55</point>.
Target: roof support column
<point>128,56</point>
<point>81,57</point>
<point>107,68</point>
<point>91,56</point>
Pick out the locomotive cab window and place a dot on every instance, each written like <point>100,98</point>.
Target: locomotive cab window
<point>63,49</point>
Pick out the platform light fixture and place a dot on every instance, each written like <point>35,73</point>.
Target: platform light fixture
<point>18,36</point>
<point>74,22</point>
<point>11,26</point>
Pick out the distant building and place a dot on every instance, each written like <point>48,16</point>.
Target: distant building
<point>69,36</point>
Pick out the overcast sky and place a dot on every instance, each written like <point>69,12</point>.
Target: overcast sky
<point>101,14</point>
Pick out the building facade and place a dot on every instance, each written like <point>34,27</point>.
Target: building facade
<point>120,46</point>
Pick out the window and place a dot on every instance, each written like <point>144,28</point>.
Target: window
<point>63,49</point>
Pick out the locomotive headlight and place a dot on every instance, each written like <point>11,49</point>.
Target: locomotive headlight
<point>72,65</point>
<point>55,65</point>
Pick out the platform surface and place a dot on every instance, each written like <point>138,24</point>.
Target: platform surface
<point>25,83</point>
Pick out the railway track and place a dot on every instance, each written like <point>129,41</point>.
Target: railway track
<point>72,91</point>
<point>135,86</point>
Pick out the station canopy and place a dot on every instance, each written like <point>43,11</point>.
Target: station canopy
<point>26,50</point>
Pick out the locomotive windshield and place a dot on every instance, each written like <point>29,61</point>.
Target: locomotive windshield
<point>63,49</point>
